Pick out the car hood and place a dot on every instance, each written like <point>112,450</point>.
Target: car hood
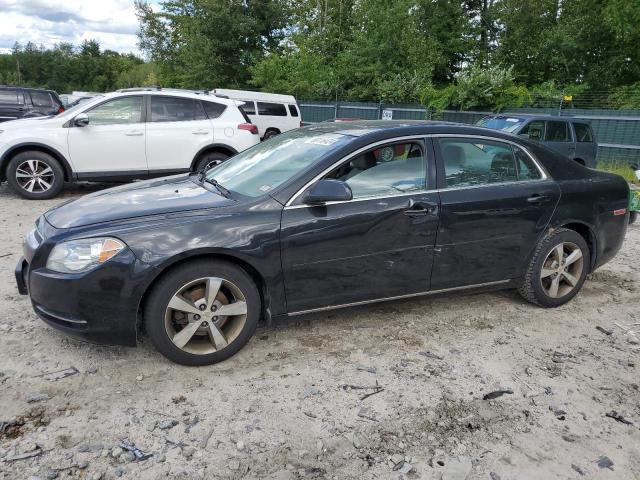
<point>22,123</point>
<point>152,197</point>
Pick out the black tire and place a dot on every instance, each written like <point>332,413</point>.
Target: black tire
<point>270,133</point>
<point>633,216</point>
<point>159,298</point>
<point>47,177</point>
<point>532,288</point>
<point>210,160</point>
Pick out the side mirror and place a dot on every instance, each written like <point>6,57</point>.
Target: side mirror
<point>81,120</point>
<point>328,190</point>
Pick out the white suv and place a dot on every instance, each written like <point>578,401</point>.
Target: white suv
<point>129,134</point>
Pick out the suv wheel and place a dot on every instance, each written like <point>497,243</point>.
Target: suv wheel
<point>210,160</point>
<point>35,175</point>
<point>270,133</point>
<point>202,312</point>
<point>557,269</point>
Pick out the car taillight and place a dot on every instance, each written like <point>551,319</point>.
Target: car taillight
<point>301,124</point>
<point>60,109</point>
<point>249,127</point>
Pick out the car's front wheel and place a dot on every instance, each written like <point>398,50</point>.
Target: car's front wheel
<point>35,175</point>
<point>557,269</point>
<point>210,160</point>
<point>202,312</point>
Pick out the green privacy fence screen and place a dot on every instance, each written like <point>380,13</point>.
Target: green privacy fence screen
<point>617,131</point>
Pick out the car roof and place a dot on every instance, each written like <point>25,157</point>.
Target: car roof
<point>360,128</point>
<point>257,96</point>
<point>171,93</point>
<point>533,116</point>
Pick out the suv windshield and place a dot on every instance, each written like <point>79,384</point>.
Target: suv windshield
<point>507,124</point>
<point>262,168</point>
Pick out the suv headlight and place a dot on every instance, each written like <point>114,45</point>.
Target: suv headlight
<point>84,254</point>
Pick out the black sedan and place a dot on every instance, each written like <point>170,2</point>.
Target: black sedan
<point>322,217</point>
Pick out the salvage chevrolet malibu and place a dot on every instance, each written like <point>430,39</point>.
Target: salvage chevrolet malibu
<point>327,216</point>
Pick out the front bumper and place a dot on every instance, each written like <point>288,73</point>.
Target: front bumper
<point>99,306</point>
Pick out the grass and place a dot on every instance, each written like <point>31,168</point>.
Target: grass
<point>624,170</point>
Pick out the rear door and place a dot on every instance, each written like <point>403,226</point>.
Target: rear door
<point>495,204</point>
<point>43,102</point>
<point>377,245</point>
<point>272,115</point>
<point>11,103</point>
<point>586,146</point>
<point>559,136</point>
<point>177,129</point>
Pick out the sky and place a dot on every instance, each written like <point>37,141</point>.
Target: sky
<point>47,22</point>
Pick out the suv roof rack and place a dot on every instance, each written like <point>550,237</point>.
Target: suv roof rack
<point>160,89</point>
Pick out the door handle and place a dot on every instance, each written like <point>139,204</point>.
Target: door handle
<point>537,198</point>
<point>134,133</point>
<point>200,132</point>
<point>420,209</point>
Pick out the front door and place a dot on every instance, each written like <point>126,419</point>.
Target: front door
<point>112,144</point>
<point>377,245</point>
<point>177,129</point>
<point>12,104</point>
<point>495,205</point>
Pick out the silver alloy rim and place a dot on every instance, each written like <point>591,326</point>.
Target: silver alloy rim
<point>34,176</point>
<point>561,270</point>
<point>206,315</point>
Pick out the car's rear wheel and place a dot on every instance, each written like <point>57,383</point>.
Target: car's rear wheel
<point>210,160</point>
<point>202,312</point>
<point>35,175</point>
<point>557,269</point>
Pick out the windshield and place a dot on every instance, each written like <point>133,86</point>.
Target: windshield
<point>507,124</point>
<point>262,168</point>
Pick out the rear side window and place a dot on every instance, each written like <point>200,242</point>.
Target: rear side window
<point>249,107</point>
<point>583,133</point>
<point>469,162</point>
<point>527,170</point>
<point>9,96</point>
<point>213,109</point>
<point>557,132</point>
<point>272,109</point>
<point>175,109</point>
<point>40,99</point>
<point>293,110</point>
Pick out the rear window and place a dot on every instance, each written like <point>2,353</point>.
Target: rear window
<point>272,109</point>
<point>9,95</point>
<point>40,99</point>
<point>175,109</point>
<point>293,110</point>
<point>213,109</point>
<point>583,133</point>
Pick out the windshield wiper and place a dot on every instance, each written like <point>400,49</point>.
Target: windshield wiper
<point>202,178</point>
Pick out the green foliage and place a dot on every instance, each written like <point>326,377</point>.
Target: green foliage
<point>620,168</point>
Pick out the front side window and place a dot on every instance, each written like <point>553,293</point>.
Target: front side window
<point>175,109</point>
<point>258,170</point>
<point>469,162</point>
<point>41,99</point>
<point>387,170</point>
<point>557,132</point>
<point>9,96</point>
<point>583,133</point>
<point>534,130</point>
<point>273,109</point>
<point>117,111</point>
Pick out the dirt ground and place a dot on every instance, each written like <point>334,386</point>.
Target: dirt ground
<point>290,406</point>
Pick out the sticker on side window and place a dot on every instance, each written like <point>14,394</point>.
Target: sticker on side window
<point>327,139</point>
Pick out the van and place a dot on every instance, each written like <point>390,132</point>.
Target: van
<point>569,136</point>
<point>272,113</point>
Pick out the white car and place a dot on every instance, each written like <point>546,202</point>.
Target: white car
<point>125,135</point>
<point>272,113</point>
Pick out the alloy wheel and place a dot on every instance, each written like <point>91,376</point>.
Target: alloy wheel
<point>205,315</point>
<point>561,270</point>
<point>35,176</point>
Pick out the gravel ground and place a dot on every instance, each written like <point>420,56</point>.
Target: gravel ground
<point>290,404</point>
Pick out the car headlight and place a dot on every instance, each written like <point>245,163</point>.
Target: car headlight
<point>81,255</point>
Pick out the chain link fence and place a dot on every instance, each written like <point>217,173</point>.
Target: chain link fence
<point>617,131</point>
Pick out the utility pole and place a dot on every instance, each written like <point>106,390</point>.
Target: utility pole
<point>18,68</point>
